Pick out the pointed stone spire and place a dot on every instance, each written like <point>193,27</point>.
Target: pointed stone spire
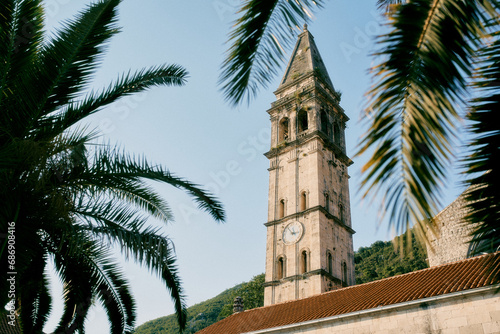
<point>304,60</point>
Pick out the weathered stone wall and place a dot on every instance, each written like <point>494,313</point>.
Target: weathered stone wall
<point>470,313</point>
<point>449,243</point>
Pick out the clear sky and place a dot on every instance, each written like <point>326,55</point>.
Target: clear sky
<point>194,133</point>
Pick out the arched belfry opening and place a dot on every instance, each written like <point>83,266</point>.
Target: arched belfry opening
<point>284,129</point>
<point>336,134</point>
<point>303,122</point>
<point>324,121</point>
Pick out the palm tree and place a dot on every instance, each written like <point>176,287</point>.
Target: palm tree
<point>63,198</point>
<point>437,54</point>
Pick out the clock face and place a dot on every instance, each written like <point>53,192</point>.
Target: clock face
<point>292,233</point>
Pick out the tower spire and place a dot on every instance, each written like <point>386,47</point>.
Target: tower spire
<point>305,60</point>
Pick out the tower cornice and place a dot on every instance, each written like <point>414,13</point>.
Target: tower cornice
<point>287,146</point>
<point>297,215</point>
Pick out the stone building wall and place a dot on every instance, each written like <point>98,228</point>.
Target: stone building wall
<point>450,242</point>
<point>475,312</point>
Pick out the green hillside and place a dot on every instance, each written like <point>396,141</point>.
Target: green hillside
<point>378,261</point>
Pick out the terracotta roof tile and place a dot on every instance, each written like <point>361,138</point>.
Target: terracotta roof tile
<point>452,277</point>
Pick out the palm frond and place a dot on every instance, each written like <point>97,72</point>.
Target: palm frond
<point>111,164</point>
<point>484,163</point>
<point>122,291</point>
<point>108,213</point>
<point>21,32</point>
<point>261,35</point>
<point>149,248</point>
<point>33,295</point>
<point>7,9</point>
<point>412,114</point>
<point>88,272</point>
<point>69,60</point>
<point>56,123</point>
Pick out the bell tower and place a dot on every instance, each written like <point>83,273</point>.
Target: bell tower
<point>309,234</point>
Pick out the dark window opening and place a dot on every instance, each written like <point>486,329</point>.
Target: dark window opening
<point>303,122</point>
<point>303,262</point>
<point>283,133</point>
<point>336,134</point>
<point>324,122</point>
<point>280,269</point>
<point>330,263</point>
<point>303,201</point>
<point>281,210</point>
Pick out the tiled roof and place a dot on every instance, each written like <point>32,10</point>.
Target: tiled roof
<point>452,277</point>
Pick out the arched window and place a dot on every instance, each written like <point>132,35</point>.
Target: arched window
<point>281,209</point>
<point>280,270</point>
<point>330,263</point>
<point>303,122</point>
<point>324,122</point>
<point>344,272</point>
<point>341,212</point>
<point>327,202</point>
<point>303,201</point>
<point>303,262</point>
<point>283,129</point>
<point>336,134</point>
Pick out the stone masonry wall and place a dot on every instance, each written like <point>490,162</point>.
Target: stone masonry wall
<point>450,242</point>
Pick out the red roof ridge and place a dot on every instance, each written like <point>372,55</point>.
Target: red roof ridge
<point>473,258</point>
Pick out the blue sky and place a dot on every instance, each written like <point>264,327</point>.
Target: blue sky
<point>193,132</point>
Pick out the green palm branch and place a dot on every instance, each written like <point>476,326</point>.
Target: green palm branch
<point>258,42</point>
<point>413,113</point>
<point>483,162</point>
<point>71,200</point>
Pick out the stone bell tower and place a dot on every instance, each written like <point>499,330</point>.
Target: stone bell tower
<point>309,234</point>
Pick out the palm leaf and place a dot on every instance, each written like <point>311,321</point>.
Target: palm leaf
<point>484,163</point>
<point>87,272</point>
<point>412,114</point>
<point>21,32</point>
<point>149,248</point>
<point>261,34</point>
<point>56,123</point>
<point>33,294</point>
<point>111,165</point>
<point>69,60</point>
<point>63,66</point>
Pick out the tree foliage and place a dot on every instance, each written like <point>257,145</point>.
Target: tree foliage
<point>382,260</point>
<point>63,198</point>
